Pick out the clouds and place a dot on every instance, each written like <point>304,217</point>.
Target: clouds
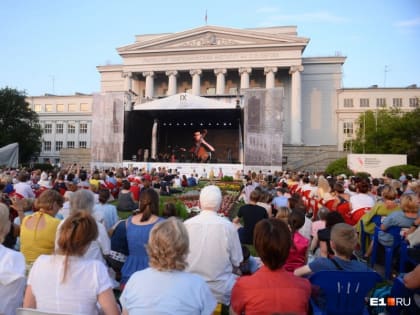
<point>408,23</point>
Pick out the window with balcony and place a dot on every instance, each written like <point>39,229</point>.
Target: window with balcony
<point>70,144</point>
<point>82,144</point>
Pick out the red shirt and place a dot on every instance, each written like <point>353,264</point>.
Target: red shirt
<point>267,292</point>
<point>297,254</point>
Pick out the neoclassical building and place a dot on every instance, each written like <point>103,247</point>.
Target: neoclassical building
<point>262,103</point>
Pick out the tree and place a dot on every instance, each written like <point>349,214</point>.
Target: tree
<point>18,123</point>
<point>389,132</point>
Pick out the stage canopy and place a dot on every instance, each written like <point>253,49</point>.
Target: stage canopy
<point>184,101</point>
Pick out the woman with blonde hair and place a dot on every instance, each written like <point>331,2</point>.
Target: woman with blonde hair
<point>37,231</point>
<point>165,287</point>
<point>67,282</point>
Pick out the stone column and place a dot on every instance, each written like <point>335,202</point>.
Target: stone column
<point>296,106</point>
<point>171,82</point>
<point>245,72</point>
<point>153,154</point>
<point>149,84</point>
<point>196,86</point>
<point>220,83</point>
<point>269,76</point>
<point>128,79</point>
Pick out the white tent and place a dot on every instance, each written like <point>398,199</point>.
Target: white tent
<point>9,155</point>
<point>184,101</point>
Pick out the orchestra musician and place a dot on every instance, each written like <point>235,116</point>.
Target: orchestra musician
<point>201,147</point>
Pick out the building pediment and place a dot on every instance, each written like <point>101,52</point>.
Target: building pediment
<point>213,37</point>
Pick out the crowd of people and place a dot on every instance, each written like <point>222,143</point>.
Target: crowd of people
<point>65,249</point>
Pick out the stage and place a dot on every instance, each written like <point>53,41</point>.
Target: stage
<point>189,168</point>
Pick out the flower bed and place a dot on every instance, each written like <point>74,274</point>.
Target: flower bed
<point>191,201</point>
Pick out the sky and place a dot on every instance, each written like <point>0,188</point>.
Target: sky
<point>54,47</point>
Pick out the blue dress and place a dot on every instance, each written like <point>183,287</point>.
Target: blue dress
<point>137,238</point>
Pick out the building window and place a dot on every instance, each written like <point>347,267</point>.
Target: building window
<point>380,102</point>
<point>59,128</point>
<point>84,107</point>
<point>347,146</point>
<point>414,102</point>
<point>397,102</point>
<point>58,145</point>
<point>37,108</point>
<point>49,108</point>
<point>60,108</point>
<point>82,144</point>
<point>47,146</point>
<point>70,144</point>
<point>71,128</point>
<point>364,102</point>
<point>348,102</point>
<point>348,128</point>
<point>48,128</point>
<point>72,108</point>
<point>83,128</point>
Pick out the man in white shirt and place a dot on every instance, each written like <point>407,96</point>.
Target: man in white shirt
<point>214,246</point>
<point>23,187</point>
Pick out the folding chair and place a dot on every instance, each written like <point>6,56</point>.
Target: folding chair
<point>364,236</point>
<point>342,292</point>
<point>404,258</point>
<point>401,291</point>
<point>389,250</point>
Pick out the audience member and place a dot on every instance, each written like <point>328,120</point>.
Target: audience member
<point>271,289</point>
<point>251,214</point>
<point>215,248</point>
<point>66,282</point>
<point>138,230</point>
<point>343,242</point>
<point>174,291</point>
<point>37,231</point>
<point>299,249</point>
<point>12,270</point>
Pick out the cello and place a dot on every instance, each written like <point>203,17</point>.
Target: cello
<point>199,150</point>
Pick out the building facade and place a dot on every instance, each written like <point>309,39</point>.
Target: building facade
<point>317,113</point>
<point>352,102</point>
<point>66,122</point>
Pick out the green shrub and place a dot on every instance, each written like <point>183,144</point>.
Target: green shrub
<point>181,209</point>
<point>338,167</point>
<point>362,175</point>
<point>227,178</point>
<point>396,170</point>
